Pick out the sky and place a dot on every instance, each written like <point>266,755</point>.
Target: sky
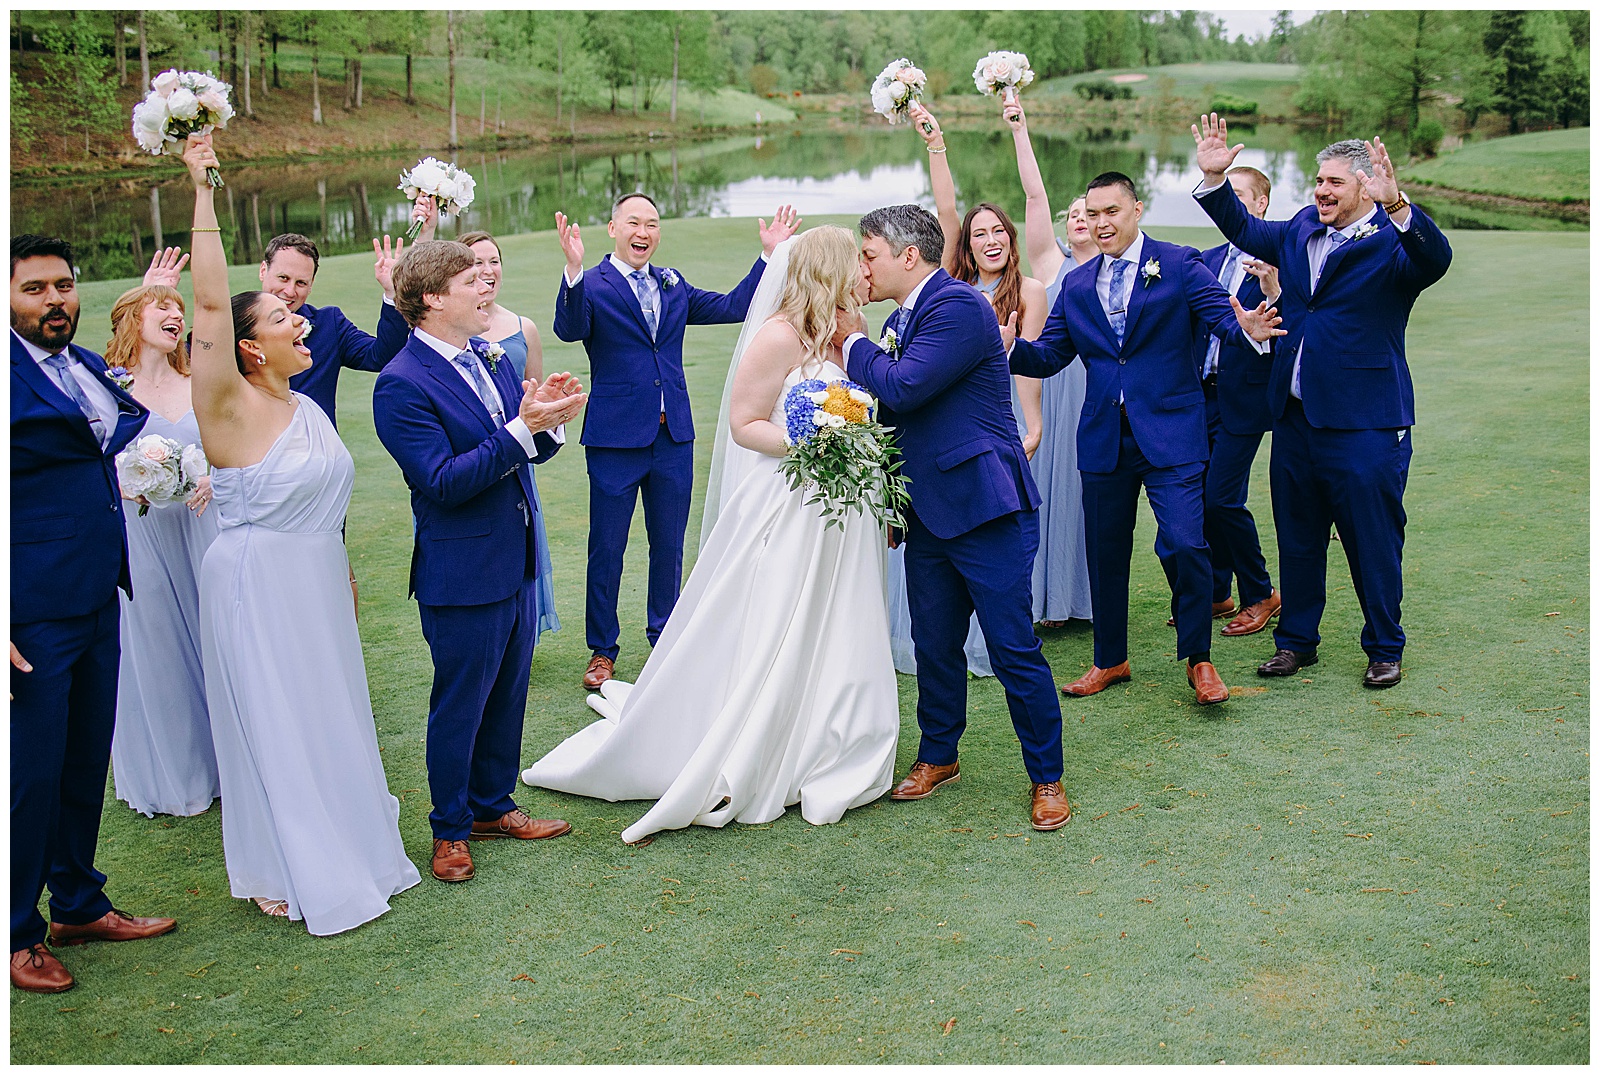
<point>1253,22</point>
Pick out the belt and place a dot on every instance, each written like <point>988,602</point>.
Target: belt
<point>1210,382</point>
<point>663,417</point>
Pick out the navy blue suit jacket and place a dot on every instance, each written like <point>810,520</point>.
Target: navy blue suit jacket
<point>1353,372</point>
<point>1242,372</point>
<point>1154,369</point>
<point>629,373</point>
<point>69,552</point>
<point>336,343</point>
<point>948,397</point>
<point>468,477</point>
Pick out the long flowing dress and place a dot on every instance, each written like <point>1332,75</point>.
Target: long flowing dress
<point>1061,569</point>
<point>161,755</point>
<point>544,595</point>
<point>771,684</point>
<point>306,812</point>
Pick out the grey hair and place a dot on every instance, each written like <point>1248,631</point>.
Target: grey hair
<point>906,225</point>
<point>1353,151</point>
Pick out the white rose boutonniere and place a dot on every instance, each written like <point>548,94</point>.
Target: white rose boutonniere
<point>669,278</point>
<point>890,342</point>
<point>1365,230</point>
<point>491,353</point>
<point>1150,270</point>
<point>119,376</point>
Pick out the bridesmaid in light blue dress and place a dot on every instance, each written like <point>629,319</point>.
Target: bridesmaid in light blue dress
<point>520,337</point>
<point>161,753</point>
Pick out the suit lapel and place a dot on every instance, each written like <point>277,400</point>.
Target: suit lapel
<point>1337,255</point>
<point>454,384</point>
<point>1141,287</point>
<point>936,282</point>
<point>39,381</point>
<point>624,287</point>
<point>130,412</point>
<point>1082,288</point>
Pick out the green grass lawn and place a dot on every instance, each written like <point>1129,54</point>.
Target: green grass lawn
<point>1271,85</point>
<point>1548,165</point>
<point>1310,873</point>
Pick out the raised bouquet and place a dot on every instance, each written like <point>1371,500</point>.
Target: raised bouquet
<point>1002,72</point>
<point>160,469</point>
<point>181,103</point>
<point>896,87</point>
<point>450,187</point>
<point>838,448</point>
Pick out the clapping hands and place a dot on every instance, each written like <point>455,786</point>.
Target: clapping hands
<point>555,402</point>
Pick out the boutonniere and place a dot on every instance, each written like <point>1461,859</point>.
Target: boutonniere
<point>891,342</point>
<point>1150,270</point>
<point>121,377</point>
<point>491,353</point>
<point>1365,230</point>
<point>669,278</point>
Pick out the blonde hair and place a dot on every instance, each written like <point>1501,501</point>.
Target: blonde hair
<point>126,314</point>
<point>823,270</point>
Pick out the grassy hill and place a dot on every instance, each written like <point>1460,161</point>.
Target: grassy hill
<point>1547,165</point>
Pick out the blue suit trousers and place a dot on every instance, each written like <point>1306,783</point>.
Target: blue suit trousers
<point>62,715</point>
<point>989,569</point>
<point>1230,528</point>
<point>1354,479</point>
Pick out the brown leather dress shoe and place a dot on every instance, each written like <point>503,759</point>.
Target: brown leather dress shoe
<point>598,672</point>
<point>38,971</point>
<point>451,860</point>
<point>923,778</point>
<point>1254,618</point>
<point>1050,809</point>
<point>519,826</point>
<point>1096,680</point>
<point>114,925</point>
<point>1219,609</point>
<point>1208,686</point>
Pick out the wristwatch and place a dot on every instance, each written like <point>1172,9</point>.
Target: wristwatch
<point>1398,204</point>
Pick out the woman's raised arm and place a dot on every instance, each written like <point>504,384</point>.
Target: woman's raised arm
<point>1038,228</point>
<point>216,382</point>
<point>943,183</point>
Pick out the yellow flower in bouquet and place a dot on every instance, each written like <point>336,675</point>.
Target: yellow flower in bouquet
<point>843,402</point>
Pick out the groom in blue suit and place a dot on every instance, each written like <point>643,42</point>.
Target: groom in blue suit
<point>973,522</point>
<point>639,437</point>
<point>69,555</point>
<point>1352,266</point>
<point>463,426</point>
<point>1134,321</point>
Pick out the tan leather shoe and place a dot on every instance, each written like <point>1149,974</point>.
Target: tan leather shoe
<point>1208,686</point>
<point>451,860</point>
<point>1254,618</point>
<point>1050,808</point>
<point>114,925</point>
<point>598,672</point>
<point>1096,680</point>
<point>38,971</point>
<point>1219,609</point>
<point>923,778</point>
<point>519,826</point>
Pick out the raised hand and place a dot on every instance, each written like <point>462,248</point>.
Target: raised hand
<point>926,125</point>
<point>198,155</point>
<point>166,267</point>
<point>426,210</point>
<point>1260,324</point>
<point>571,244</point>
<point>785,222</point>
<point>1211,146</point>
<point>1011,112</point>
<point>1267,274</point>
<point>1381,185</point>
<point>387,259</point>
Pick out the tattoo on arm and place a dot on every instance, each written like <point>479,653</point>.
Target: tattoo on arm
<point>204,343</point>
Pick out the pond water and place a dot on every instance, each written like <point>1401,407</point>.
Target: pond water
<point>116,224</point>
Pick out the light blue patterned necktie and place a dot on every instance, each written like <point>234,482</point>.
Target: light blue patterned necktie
<point>641,289</point>
<point>1118,314</point>
<point>897,321</point>
<point>74,391</point>
<point>1230,265</point>
<point>1336,239</point>
<point>468,360</point>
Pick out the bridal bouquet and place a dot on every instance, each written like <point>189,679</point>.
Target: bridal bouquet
<point>896,87</point>
<point>160,469</point>
<point>181,103</point>
<point>451,188</point>
<point>837,447</point>
<point>1002,72</point>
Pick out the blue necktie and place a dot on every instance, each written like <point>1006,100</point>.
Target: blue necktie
<point>1229,265</point>
<point>468,361</point>
<point>643,291</point>
<point>1118,313</point>
<point>74,391</point>
<point>1336,239</point>
<point>897,321</point>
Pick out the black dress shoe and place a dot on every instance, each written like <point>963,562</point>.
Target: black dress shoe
<point>1381,674</point>
<point>1286,662</point>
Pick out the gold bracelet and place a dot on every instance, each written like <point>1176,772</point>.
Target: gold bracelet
<point>218,230</point>
<point>941,149</point>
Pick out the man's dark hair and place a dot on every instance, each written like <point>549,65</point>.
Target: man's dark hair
<point>629,197</point>
<point>290,240</point>
<point>41,246</point>
<point>906,225</point>
<point>1114,179</point>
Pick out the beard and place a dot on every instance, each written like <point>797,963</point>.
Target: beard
<point>51,331</point>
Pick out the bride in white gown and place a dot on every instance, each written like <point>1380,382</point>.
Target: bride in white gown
<point>772,684</point>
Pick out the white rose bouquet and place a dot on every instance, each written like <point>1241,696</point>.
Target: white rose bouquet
<point>181,103</point>
<point>896,87</point>
<point>160,469</point>
<point>451,188</point>
<point>1002,72</point>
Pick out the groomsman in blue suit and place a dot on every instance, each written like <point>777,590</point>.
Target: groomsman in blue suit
<point>1237,416</point>
<point>1341,390</point>
<point>639,436</point>
<point>69,554</point>
<point>1136,323</point>
<point>973,522</point>
<point>463,426</point>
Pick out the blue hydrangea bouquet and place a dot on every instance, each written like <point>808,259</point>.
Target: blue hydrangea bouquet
<point>838,448</point>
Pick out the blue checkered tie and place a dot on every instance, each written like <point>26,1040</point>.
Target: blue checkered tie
<point>1118,313</point>
<point>1229,265</point>
<point>74,391</point>
<point>897,322</point>
<point>1336,239</point>
<point>468,361</point>
<point>646,304</point>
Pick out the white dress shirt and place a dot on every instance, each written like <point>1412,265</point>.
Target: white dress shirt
<point>908,306</point>
<point>94,386</point>
<point>516,426</point>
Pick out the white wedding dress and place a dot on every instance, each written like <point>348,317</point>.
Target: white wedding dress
<point>772,684</point>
